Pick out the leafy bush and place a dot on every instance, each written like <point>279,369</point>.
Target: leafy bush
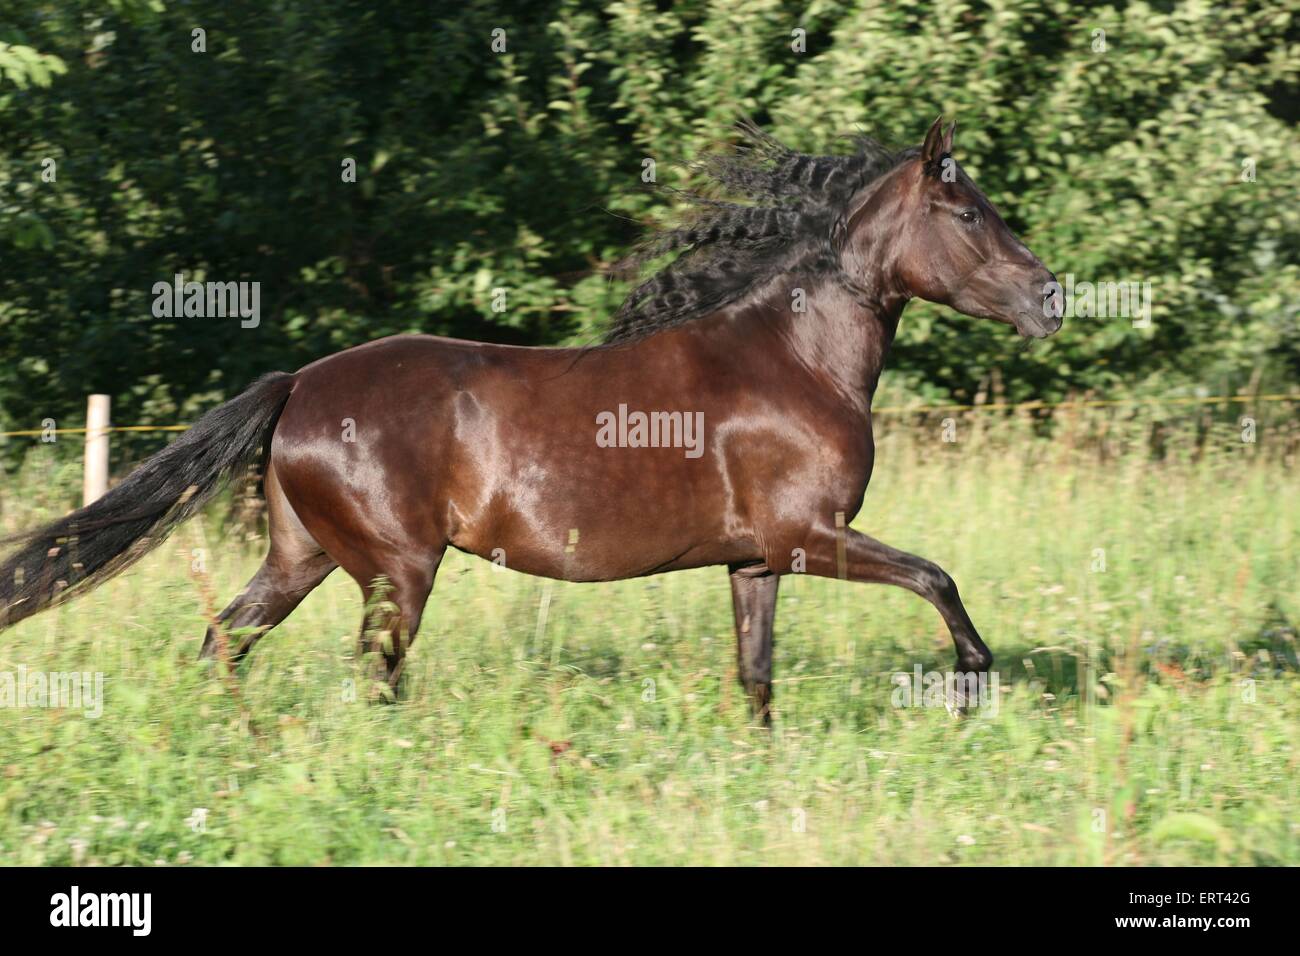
<point>1118,156</point>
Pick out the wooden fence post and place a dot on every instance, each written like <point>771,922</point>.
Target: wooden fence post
<point>96,462</point>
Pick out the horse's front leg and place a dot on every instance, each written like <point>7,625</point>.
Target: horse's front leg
<point>845,553</point>
<point>753,598</point>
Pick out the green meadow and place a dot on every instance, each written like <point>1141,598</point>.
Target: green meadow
<point>1138,585</point>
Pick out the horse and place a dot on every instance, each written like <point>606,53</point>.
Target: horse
<point>725,419</point>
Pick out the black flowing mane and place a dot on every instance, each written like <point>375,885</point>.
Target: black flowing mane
<point>793,224</point>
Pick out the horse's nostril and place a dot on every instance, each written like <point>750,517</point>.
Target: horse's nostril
<point>1052,305</point>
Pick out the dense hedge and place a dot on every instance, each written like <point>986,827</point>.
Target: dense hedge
<point>1117,156</point>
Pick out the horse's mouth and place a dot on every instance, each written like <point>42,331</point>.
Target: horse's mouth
<point>1037,326</point>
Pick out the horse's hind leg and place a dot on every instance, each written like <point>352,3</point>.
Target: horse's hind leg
<point>294,566</point>
<point>753,598</point>
<point>266,600</point>
<point>394,609</point>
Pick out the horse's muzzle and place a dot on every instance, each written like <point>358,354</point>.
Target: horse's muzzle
<point>1048,319</point>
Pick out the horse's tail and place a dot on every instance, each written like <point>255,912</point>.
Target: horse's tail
<point>87,547</point>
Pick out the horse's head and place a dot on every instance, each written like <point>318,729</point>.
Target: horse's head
<point>947,244</point>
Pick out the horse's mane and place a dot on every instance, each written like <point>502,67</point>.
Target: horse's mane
<point>793,223</point>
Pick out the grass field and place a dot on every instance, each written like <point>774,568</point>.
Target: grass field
<point>1143,614</point>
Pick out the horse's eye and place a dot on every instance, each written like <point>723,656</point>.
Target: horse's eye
<point>969,215</point>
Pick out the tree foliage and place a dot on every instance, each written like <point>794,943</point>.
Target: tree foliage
<point>1116,139</point>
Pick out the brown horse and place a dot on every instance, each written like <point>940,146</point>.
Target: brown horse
<point>726,421</point>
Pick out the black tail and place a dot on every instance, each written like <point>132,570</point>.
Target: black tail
<point>86,548</point>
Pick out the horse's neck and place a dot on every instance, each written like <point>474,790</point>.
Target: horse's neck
<point>842,337</point>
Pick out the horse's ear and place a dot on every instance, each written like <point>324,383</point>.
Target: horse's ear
<point>932,148</point>
<point>945,147</point>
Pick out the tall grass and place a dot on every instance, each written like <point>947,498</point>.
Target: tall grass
<point>1138,586</point>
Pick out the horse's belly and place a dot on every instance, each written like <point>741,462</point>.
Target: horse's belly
<point>584,517</point>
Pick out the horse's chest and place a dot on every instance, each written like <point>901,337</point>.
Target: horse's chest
<point>822,467</point>
<point>847,471</point>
